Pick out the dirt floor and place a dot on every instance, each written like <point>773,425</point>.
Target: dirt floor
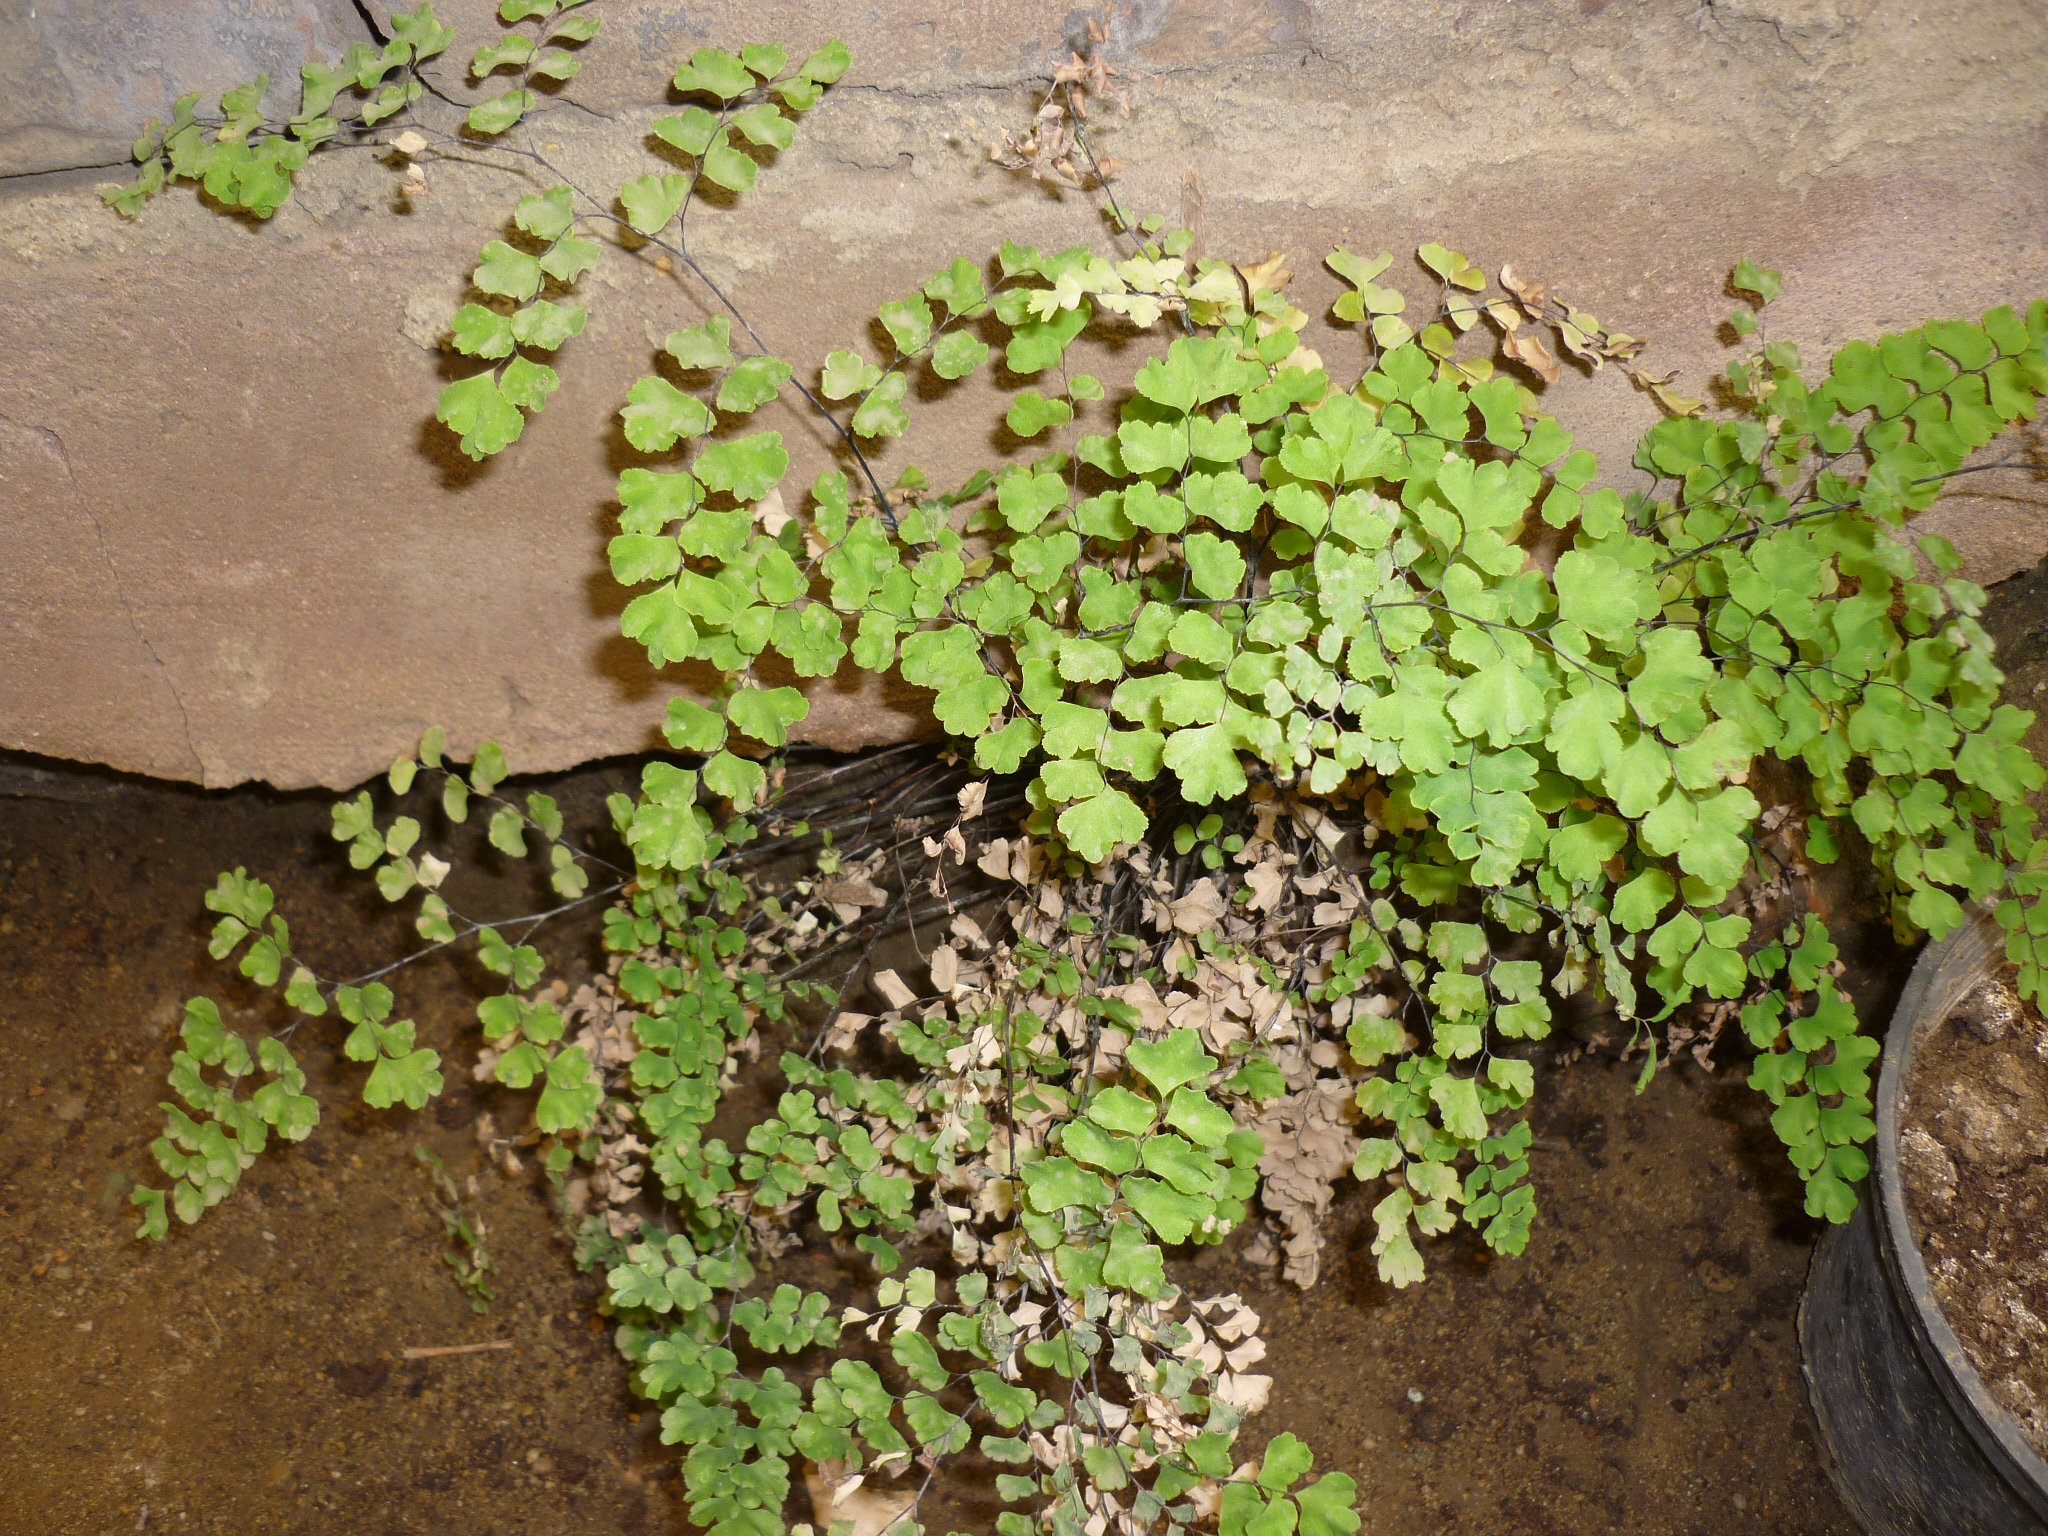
<point>1636,1371</point>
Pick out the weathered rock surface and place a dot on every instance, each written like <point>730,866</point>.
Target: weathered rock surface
<point>234,545</point>
<point>78,80</point>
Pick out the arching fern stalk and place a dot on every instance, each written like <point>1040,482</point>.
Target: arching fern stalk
<point>1309,601</point>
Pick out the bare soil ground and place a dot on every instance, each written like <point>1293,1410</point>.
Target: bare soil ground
<point>1636,1371</point>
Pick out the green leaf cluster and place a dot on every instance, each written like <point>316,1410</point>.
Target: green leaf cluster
<point>209,1142</point>
<point>543,53</point>
<point>402,1071</point>
<point>247,161</point>
<point>1268,1502</point>
<point>512,319</point>
<point>1815,1067</point>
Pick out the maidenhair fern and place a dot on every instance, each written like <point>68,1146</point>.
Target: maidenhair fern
<point>1351,730</point>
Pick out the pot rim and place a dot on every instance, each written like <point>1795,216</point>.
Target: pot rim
<point>1941,977</point>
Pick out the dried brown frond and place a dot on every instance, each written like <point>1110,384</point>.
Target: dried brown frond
<point>1053,150</point>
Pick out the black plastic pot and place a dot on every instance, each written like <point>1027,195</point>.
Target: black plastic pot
<point>1917,1445</point>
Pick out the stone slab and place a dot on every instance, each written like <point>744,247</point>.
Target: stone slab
<point>234,545</point>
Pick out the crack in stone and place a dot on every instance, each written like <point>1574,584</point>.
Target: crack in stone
<point>1041,79</point>
<point>60,170</point>
<point>56,444</point>
<point>371,24</point>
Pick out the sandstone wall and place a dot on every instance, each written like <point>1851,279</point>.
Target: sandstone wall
<point>233,544</point>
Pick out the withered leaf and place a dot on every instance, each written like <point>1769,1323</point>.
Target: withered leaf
<point>1201,909</point>
<point>1531,294</point>
<point>1528,349</point>
<point>854,891</point>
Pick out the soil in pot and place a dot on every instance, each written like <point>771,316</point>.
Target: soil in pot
<point>1974,1153</point>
